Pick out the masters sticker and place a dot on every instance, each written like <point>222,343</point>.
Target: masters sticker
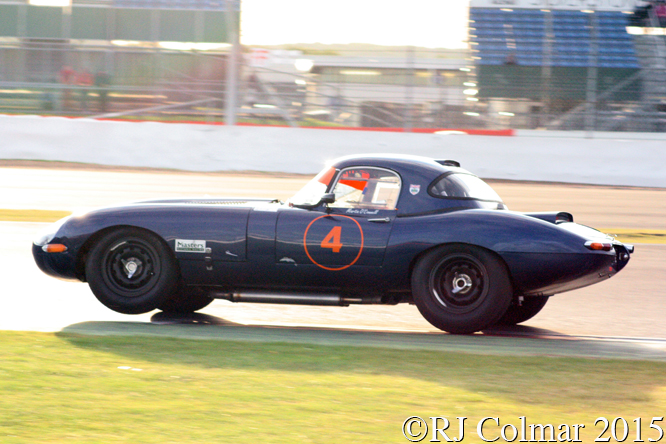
<point>191,246</point>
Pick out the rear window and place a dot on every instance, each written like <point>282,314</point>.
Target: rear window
<point>463,186</point>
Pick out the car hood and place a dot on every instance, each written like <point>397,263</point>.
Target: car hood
<point>244,202</point>
<point>163,206</point>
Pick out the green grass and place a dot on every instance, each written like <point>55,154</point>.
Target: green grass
<point>58,388</point>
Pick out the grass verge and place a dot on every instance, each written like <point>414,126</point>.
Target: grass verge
<point>101,389</point>
<point>643,236</point>
<point>32,215</point>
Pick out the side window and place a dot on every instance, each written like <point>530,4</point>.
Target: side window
<point>463,186</point>
<point>448,186</point>
<point>372,188</point>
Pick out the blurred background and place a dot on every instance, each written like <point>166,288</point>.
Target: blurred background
<point>595,65</point>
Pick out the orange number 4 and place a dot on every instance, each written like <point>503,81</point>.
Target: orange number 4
<point>332,240</point>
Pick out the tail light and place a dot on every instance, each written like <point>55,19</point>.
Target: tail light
<point>598,246</point>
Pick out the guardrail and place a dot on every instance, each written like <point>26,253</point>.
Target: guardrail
<point>633,160</point>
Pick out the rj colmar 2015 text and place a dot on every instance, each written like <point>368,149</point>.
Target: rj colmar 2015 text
<point>493,429</point>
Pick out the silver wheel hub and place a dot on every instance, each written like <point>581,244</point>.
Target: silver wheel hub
<point>461,283</point>
<point>131,266</point>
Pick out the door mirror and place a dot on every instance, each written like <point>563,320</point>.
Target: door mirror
<point>327,198</point>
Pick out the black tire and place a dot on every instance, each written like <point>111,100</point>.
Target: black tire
<point>521,312</point>
<point>132,271</point>
<point>187,300</point>
<point>461,289</point>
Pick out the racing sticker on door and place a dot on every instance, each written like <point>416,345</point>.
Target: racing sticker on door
<point>333,242</point>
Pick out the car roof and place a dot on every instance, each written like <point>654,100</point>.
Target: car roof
<point>416,172</point>
<point>401,163</point>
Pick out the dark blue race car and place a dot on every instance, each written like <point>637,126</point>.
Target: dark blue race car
<point>366,230</point>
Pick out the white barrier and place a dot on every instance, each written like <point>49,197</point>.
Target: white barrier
<point>608,158</point>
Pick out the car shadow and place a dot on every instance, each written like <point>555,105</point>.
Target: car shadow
<point>500,340</point>
<point>518,331</point>
<point>164,318</point>
<point>522,331</point>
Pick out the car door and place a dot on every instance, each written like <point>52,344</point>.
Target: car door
<point>346,236</point>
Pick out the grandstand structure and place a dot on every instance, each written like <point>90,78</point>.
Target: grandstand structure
<point>108,20</point>
<point>153,52</point>
<point>548,64</point>
<point>568,64</point>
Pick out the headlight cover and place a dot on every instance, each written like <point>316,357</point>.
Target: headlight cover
<point>47,234</point>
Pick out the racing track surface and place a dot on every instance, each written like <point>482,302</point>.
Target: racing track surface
<point>630,305</point>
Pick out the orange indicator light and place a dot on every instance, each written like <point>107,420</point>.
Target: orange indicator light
<point>54,248</point>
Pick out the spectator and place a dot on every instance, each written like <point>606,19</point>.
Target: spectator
<point>640,16</point>
<point>67,78</point>
<point>510,59</point>
<point>102,82</point>
<point>85,80</point>
<point>660,11</point>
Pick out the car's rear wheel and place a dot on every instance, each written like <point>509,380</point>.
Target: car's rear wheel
<point>521,311</point>
<point>461,289</point>
<point>187,300</point>
<point>131,271</point>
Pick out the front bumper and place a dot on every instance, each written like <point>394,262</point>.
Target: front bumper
<point>58,265</point>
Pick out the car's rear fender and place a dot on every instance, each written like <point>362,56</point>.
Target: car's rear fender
<point>494,230</point>
<point>461,246</point>
<point>503,233</point>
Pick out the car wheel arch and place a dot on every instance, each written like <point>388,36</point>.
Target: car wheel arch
<point>100,234</point>
<point>461,288</point>
<point>497,256</point>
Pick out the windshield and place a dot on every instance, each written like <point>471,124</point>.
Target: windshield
<point>463,186</point>
<point>312,192</point>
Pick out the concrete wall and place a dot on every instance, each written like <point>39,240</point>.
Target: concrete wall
<point>608,158</point>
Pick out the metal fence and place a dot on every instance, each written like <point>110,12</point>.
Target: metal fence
<point>406,88</point>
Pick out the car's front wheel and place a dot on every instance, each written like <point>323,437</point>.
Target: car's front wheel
<point>461,289</point>
<point>131,271</point>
